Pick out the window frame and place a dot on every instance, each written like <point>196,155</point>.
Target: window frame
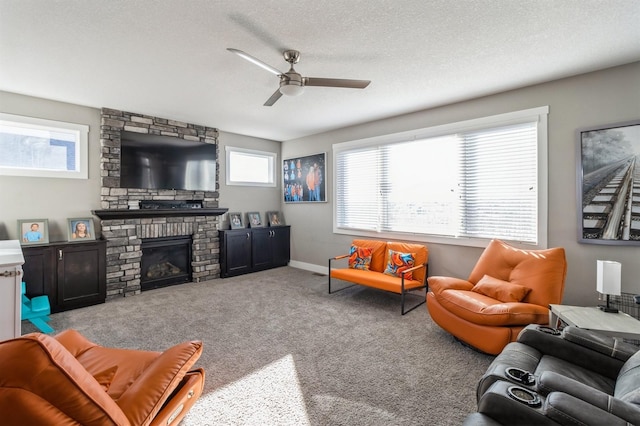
<point>538,114</point>
<point>81,141</point>
<point>272,158</point>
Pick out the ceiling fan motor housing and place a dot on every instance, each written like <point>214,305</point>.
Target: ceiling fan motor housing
<point>291,84</point>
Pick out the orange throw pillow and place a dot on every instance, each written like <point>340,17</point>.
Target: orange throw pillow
<point>399,262</point>
<point>360,258</point>
<point>503,291</point>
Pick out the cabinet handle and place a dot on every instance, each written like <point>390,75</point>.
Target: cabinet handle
<point>248,236</point>
<point>59,254</point>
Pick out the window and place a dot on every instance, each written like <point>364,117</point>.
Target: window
<point>250,168</point>
<point>462,183</point>
<point>42,148</point>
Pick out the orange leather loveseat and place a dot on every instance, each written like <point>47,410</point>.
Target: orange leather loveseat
<point>507,289</point>
<point>68,380</point>
<point>391,266</point>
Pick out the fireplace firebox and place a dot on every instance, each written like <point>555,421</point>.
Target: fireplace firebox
<point>165,261</point>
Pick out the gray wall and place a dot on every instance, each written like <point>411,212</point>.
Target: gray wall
<point>59,199</point>
<point>597,98</point>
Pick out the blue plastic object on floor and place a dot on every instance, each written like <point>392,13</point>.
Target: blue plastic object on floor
<point>36,310</point>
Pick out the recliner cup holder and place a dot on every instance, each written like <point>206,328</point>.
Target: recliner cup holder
<point>549,330</point>
<point>524,396</point>
<point>520,376</point>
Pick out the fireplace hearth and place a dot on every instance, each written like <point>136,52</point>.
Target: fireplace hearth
<point>165,261</point>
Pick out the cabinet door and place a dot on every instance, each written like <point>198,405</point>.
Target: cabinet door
<point>81,275</point>
<point>39,272</point>
<point>236,256</point>
<point>280,246</point>
<point>261,248</point>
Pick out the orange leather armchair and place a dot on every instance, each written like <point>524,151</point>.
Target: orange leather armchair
<point>508,289</point>
<point>68,380</point>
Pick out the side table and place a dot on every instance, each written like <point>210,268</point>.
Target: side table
<point>591,318</point>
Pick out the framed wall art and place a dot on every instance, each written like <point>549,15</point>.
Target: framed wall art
<point>33,231</point>
<point>304,179</point>
<point>608,200</point>
<point>80,229</point>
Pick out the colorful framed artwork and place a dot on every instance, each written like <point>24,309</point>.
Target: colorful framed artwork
<point>80,229</point>
<point>608,201</point>
<point>33,231</point>
<point>304,179</point>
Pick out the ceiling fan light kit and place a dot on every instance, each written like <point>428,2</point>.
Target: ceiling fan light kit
<point>292,83</point>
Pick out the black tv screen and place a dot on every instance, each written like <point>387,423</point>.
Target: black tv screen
<point>164,162</point>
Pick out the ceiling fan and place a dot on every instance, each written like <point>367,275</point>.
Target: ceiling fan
<point>292,83</point>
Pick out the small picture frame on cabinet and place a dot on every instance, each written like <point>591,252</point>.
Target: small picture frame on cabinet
<point>235,220</point>
<point>255,221</point>
<point>275,219</point>
<point>80,229</point>
<point>33,231</point>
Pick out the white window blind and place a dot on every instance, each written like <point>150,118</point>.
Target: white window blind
<point>478,183</point>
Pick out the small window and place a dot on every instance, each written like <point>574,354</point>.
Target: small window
<point>42,148</point>
<point>250,167</point>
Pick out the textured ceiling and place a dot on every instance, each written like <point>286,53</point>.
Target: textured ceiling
<point>169,59</point>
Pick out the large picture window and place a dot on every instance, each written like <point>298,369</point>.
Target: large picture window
<point>42,148</point>
<point>462,183</point>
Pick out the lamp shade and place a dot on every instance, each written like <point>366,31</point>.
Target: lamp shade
<point>609,277</point>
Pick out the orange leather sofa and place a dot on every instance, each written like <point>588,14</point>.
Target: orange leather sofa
<point>507,289</point>
<point>68,380</point>
<point>374,275</point>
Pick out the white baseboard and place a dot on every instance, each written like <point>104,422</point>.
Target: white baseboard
<point>309,267</point>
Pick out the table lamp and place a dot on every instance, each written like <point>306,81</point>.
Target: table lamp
<point>608,281</point>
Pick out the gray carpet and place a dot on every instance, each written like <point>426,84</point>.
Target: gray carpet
<point>279,350</point>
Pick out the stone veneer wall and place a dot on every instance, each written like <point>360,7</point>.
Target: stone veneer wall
<point>124,236</point>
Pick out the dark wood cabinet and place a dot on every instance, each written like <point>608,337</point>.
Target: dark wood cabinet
<point>254,249</point>
<point>73,275</point>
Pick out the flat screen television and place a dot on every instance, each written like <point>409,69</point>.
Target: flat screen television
<point>164,162</point>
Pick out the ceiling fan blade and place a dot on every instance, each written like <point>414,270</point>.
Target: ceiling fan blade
<point>272,100</point>
<point>256,61</point>
<point>336,82</point>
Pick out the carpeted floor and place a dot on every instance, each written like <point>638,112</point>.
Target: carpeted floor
<point>279,350</point>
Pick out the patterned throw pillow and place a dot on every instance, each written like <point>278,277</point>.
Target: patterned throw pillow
<point>360,257</point>
<point>399,262</point>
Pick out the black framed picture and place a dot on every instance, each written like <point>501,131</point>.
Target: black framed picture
<point>304,179</point>
<point>608,166</point>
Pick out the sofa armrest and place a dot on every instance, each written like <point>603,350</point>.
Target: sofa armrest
<point>438,284</point>
<point>142,401</point>
<point>567,409</point>
<point>540,339</point>
<point>342,256</point>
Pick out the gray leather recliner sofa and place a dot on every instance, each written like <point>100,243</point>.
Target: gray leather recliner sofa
<point>572,377</point>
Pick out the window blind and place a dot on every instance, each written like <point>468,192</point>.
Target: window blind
<point>472,184</point>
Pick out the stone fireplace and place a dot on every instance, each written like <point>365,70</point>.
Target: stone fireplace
<point>176,214</point>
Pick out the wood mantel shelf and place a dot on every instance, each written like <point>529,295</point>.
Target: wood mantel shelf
<point>141,213</point>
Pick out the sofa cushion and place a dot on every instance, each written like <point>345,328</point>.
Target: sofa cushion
<point>484,310</point>
<point>377,254</point>
<point>503,291</point>
<point>397,262</point>
<point>419,252</point>
<point>360,257</point>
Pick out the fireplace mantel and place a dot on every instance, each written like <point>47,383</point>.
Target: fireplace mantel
<point>114,214</point>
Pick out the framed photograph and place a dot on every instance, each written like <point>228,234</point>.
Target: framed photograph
<point>33,231</point>
<point>80,229</point>
<point>608,165</point>
<point>275,219</point>
<point>235,220</point>
<point>255,221</point>
<point>304,179</point>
